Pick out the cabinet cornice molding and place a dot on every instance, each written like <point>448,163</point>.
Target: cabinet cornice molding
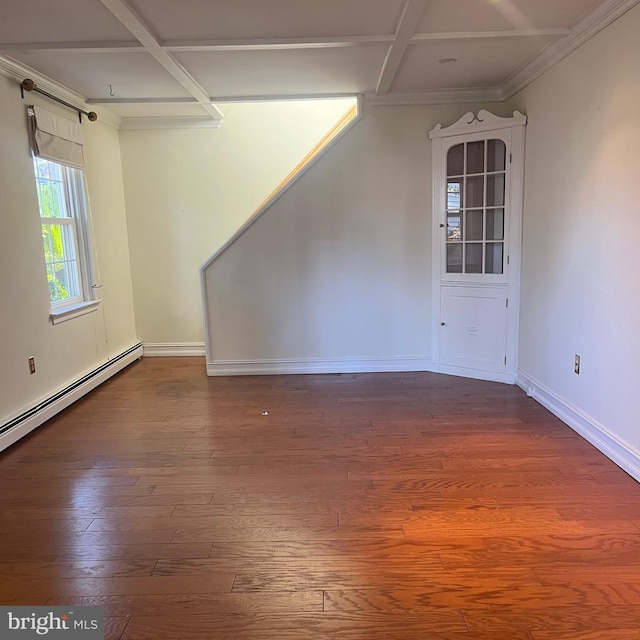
<point>484,121</point>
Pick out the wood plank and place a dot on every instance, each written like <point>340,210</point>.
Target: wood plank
<point>304,625</point>
<point>193,604</point>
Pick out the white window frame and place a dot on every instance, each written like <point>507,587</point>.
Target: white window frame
<point>76,220</point>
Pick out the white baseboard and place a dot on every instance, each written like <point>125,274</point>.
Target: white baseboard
<point>165,349</point>
<point>316,365</point>
<point>33,417</point>
<point>623,454</point>
<point>476,374</point>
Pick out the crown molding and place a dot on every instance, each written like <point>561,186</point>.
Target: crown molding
<point>444,96</point>
<point>588,27</point>
<point>17,71</point>
<point>168,122</point>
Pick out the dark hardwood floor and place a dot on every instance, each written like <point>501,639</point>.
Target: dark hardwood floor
<point>397,506</point>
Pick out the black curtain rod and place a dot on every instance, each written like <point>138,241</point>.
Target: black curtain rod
<point>29,85</point>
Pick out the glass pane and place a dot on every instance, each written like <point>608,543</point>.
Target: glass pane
<point>494,257</point>
<point>63,281</point>
<point>454,194</point>
<point>60,254</point>
<point>473,229</point>
<point>475,157</point>
<point>496,155</point>
<point>50,197</point>
<point>473,255</point>
<point>495,224</point>
<point>495,190</point>
<point>48,170</point>
<point>455,160</point>
<point>475,192</point>
<point>454,226</point>
<point>454,258</point>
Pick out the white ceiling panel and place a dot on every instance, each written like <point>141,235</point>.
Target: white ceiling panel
<point>244,73</point>
<point>480,63</point>
<point>240,19</point>
<point>502,15</point>
<point>29,21</point>
<point>131,75</point>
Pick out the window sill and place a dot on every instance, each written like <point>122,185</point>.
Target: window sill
<point>74,311</point>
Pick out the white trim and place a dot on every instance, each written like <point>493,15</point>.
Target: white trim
<point>620,452</point>
<point>74,311</point>
<point>588,27</point>
<point>39,417</point>
<point>164,349</point>
<point>223,99</point>
<point>278,44</point>
<point>465,372</point>
<point>317,365</point>
<point>14,70</point>
<point>483,35</point>
<point>168,122</point>
<point>471,123</point>
<point>441,96</point>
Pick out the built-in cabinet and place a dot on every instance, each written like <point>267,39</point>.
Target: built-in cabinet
<point>477,222</point>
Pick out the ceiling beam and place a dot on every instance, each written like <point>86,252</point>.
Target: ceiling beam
<point>411,14</point>
<point>134,24</point>
<point>224,99</point>
<point>273,44</point>
<point>479,35</point>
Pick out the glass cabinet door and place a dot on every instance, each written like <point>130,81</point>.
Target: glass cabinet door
<point>476,183</point>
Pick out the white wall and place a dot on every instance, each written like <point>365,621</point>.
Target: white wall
<point>581,257</point>
<point>340,267</point>
<point>66,351</point>
<point>188,191</point>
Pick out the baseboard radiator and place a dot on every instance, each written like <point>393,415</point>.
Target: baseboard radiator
<point>33,417</point>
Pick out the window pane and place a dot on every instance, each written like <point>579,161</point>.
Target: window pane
<point>473,255</point>
<point>454,258</point>
<point>475,192</point>
<point>494,257</point>
<point>474,225</point>
<point>62,266</point>
<point>454,194</point>
<point>63,281</point>
<point>495,190</point>
<point>495,224</point>
<point>48,170</point>
<point>475,157</point>
<point>496,155</point>
<point>454,226</point>
<point>51,199</point>
<point>455,160</point>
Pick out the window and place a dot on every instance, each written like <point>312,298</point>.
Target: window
<point>62,217</point>
<point>58,160</point>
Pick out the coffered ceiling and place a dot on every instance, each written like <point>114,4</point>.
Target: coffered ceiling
<point>187,58</point>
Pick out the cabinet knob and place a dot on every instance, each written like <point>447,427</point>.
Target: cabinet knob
<point>442,324</point>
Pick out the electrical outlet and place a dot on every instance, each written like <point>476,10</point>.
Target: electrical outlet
<point>32,365</point>
<point>576,364</point>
